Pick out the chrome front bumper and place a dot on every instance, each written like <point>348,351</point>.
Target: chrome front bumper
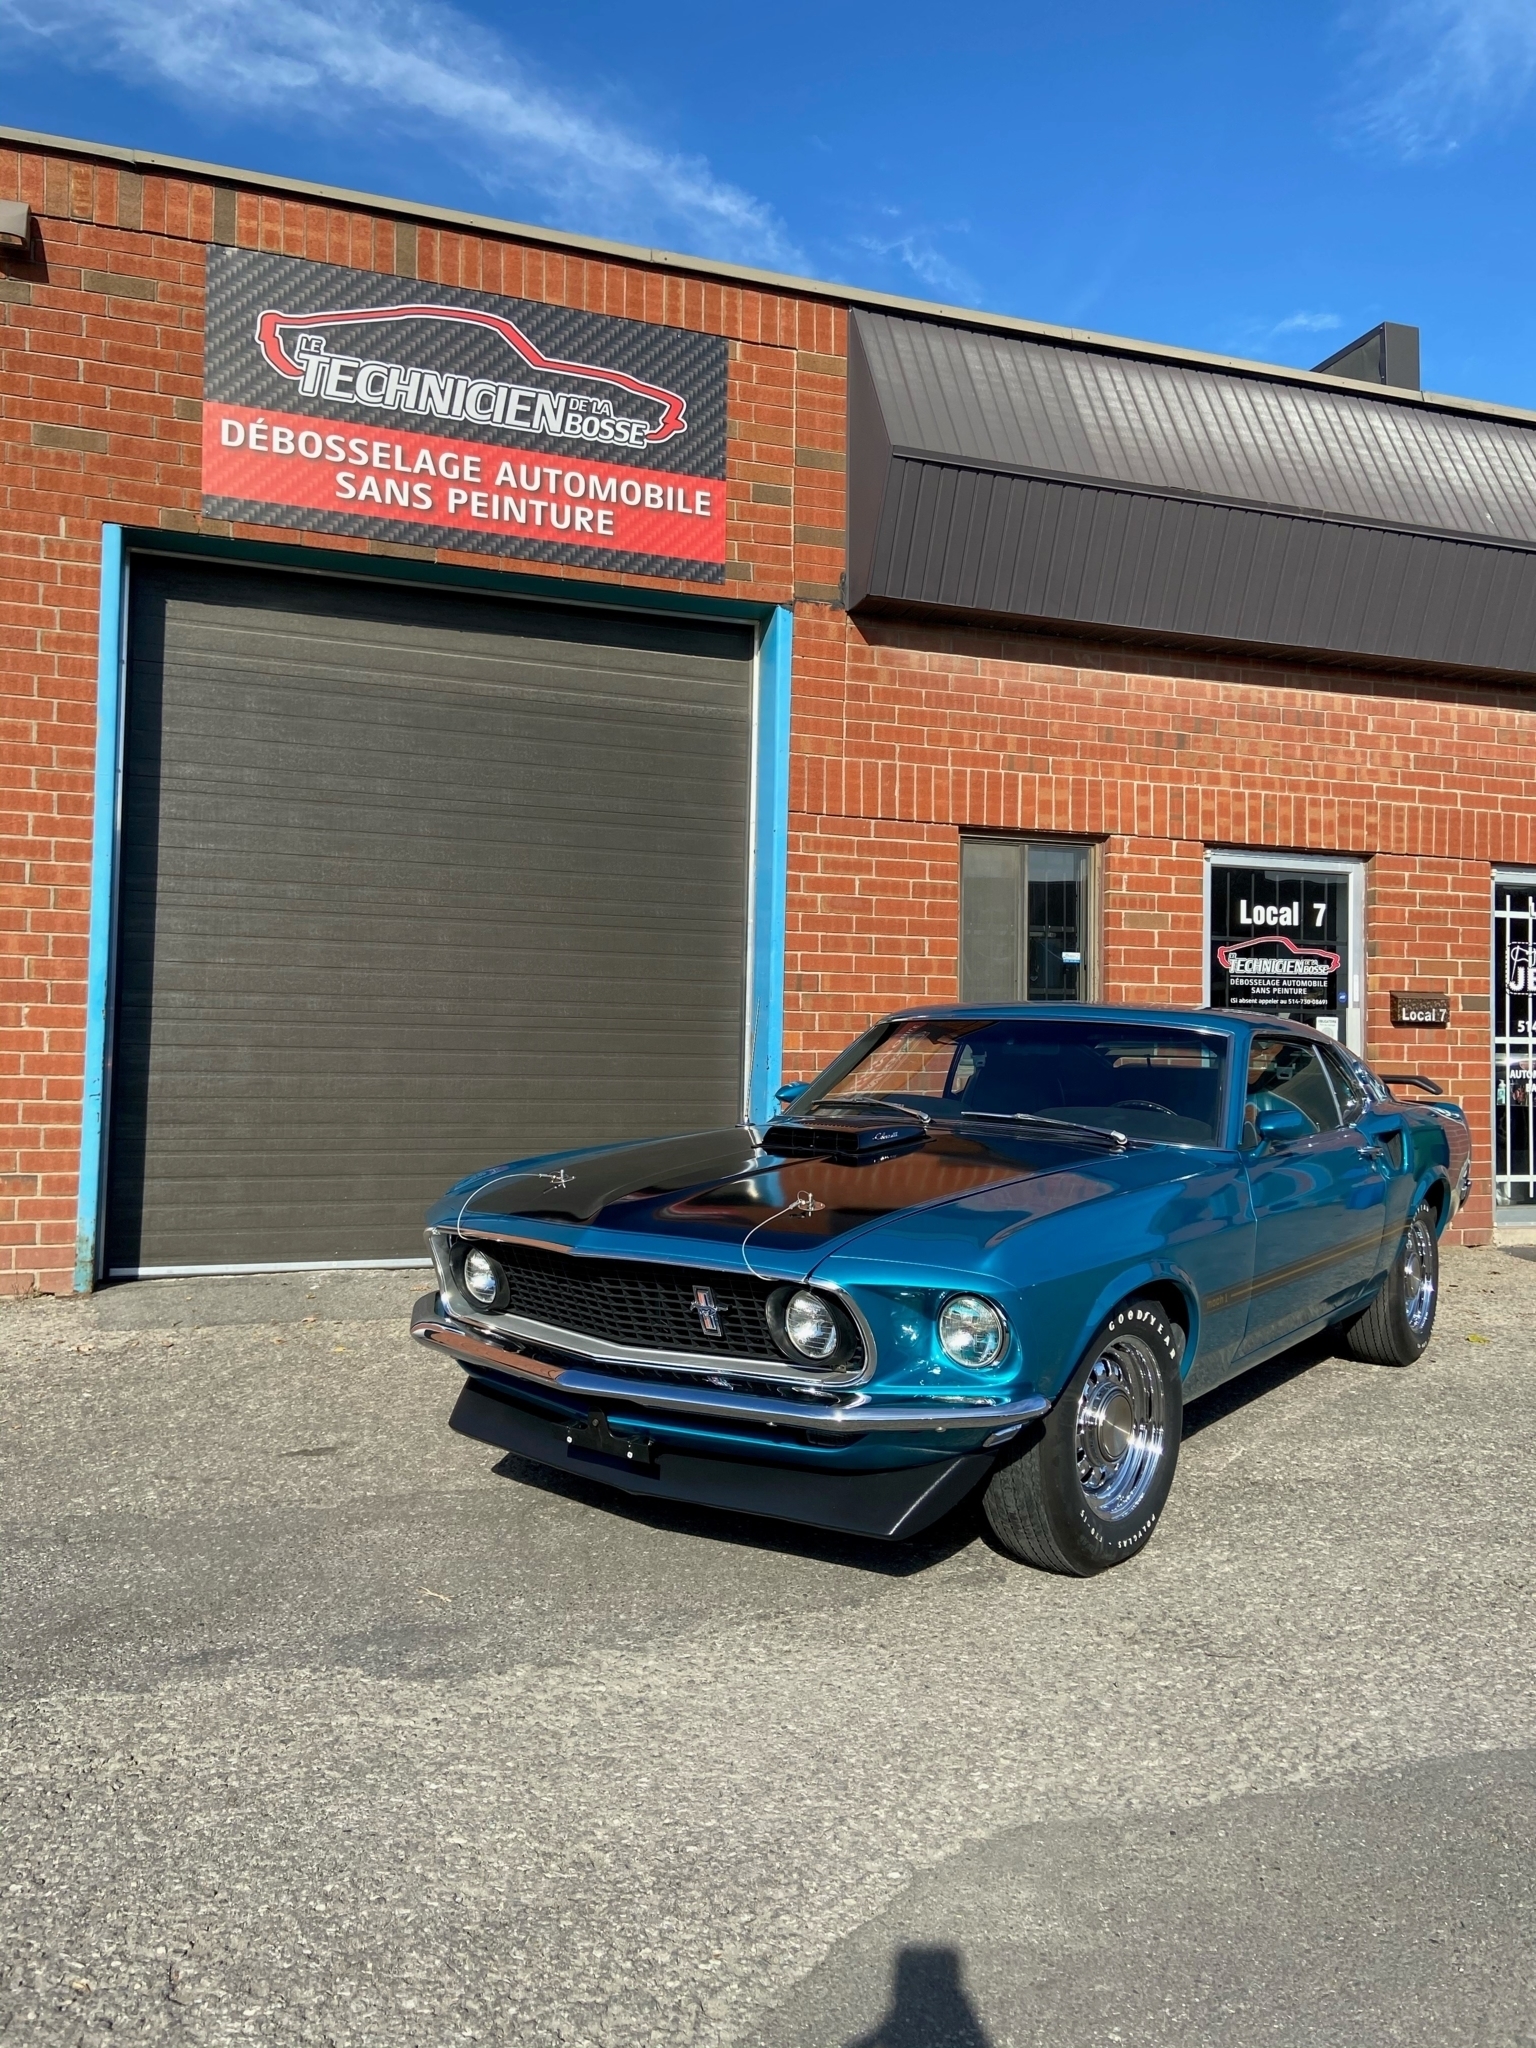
<point>851,1414</point>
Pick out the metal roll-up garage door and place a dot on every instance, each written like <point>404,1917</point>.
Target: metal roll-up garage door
<point>410,882</point>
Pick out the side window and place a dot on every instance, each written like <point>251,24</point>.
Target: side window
<point>1285,1071</point>
<point>1346,1085</point>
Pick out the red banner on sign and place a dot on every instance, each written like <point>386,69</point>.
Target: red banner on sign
<point>317,465</point>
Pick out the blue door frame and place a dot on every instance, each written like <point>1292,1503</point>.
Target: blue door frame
<point>769,851</point>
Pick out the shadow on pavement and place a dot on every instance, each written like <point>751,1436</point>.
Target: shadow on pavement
<point>929,2007</point>
<point>1258,1381</point>
<point>961,1527</point>
<point>887,1559</point>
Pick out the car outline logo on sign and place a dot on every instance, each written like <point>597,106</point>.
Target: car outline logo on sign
<point>1247,949</point>
<point>319,374</point>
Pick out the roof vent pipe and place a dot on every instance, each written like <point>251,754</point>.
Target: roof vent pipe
<point>15,225</point>
<point>1389,354</point>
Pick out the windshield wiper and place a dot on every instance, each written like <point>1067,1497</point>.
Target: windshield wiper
<point>1117,1139</point>
<point>880,1101</point>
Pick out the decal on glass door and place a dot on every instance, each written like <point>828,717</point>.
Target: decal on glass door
<point>1514,1043</point>
<point>1279,943</point>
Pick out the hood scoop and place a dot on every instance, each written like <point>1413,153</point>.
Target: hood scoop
<point>841,1137</point>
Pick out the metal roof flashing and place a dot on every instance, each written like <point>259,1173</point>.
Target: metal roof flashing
<point>991,475</point>
<point>701,266</point>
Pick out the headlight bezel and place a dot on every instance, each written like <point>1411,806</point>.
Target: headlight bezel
<point>848,1344</point>
<point>1001,1333</point>
<point>502,1291</point>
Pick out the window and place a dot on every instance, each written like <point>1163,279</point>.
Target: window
<point>1163,1086</point>
<point>1023,921</point>
<point>1282,1072</point>
<point>1346,1083</point>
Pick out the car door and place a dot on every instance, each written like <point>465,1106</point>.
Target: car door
<point>1381,1125</point>
<point>1318,1198</point>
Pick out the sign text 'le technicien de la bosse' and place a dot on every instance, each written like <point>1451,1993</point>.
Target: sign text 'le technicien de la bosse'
<point>353,403</point>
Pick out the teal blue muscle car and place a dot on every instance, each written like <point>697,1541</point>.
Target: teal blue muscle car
<point>989,1250</point>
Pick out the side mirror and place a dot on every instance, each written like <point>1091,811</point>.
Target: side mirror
<point>1276,1125</point>
<point>791,1093</point>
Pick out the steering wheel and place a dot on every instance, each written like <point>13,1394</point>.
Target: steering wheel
<point>1141,1102</point>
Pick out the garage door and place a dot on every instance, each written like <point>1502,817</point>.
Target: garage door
<point>410,883</point>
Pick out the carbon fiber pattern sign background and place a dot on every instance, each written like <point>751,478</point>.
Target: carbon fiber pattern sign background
<point>353,403</point>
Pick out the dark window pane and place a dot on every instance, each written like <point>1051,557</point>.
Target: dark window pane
<point>1058,890</point>
<point>1279,942</point>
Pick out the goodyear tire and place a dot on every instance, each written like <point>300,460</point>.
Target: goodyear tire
<point>1088,1490</point>
<point>1400,1321</point>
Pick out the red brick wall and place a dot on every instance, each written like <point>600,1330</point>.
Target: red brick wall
<point>903,735</point>
<point>908,735</point>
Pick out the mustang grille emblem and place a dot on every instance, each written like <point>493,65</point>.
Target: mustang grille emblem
<point>708,1311</point>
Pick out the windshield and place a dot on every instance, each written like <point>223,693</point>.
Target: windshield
<point>1145,1081</point>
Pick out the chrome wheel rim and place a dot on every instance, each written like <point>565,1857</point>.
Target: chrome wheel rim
<point>1419,1284</point>
<point>1121,1428</point>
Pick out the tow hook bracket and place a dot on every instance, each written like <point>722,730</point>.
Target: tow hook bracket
<point>595,1438</point>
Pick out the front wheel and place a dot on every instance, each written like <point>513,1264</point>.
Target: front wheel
<point>1088,1491</point>
<point>1397,1326</point>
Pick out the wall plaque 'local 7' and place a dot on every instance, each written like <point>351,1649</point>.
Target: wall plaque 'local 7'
<point>1411,1006</point>
<point>348,402</point>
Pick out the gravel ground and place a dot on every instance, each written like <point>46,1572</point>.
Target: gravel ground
<point>321,1726</point>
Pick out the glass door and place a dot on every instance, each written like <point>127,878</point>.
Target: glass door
<point>1514,1041</point>
<point>1284,938</point>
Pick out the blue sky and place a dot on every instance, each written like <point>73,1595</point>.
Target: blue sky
<point>1261,179</point>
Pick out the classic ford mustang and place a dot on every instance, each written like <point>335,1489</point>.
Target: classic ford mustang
<point>988,1248</point>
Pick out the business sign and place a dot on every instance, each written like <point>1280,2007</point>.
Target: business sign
<point>352,403</point>
<point>1278,942</point>
<point>1420,1007</point>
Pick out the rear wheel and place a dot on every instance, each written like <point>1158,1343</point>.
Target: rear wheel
<point>1088,1491</point>
<point>1400,1321</point>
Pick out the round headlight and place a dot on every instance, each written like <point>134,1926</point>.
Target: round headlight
<point>809,1325</point>
<point>483,1279</point>
<point>972,1331</point>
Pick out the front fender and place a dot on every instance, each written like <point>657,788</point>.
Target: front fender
<point>1059,1273</point>
<point>1146,1276</point>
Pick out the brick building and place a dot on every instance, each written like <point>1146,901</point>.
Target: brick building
<point>471,688</point>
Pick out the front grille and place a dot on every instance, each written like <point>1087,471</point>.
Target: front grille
<point>627,1302</point>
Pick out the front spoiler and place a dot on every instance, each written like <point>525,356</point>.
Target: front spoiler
<point>899,1503</point>
<point>855,1413</point>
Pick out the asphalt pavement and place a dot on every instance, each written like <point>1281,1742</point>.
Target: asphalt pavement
<point>321,1725</point>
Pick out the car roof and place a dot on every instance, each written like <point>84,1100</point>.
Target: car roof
<point>1231,1022</point>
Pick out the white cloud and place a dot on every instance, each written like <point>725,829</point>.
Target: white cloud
<point>1306,323</point>
<point>1433,73</point>
<point>1267,340</point>
<point>916,252</point>
<point>421,69</point>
